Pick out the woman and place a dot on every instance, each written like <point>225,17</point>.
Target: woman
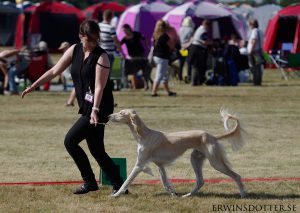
<point>161,54</point>
<point>186,33</point>
<point>90,72</point>
<point>255,52</point>
<point>198,53</point>
<point>9,61</point>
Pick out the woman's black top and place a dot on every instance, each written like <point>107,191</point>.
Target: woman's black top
<point>161,47</point>
<point>134,45</point>
<point>83,74</point>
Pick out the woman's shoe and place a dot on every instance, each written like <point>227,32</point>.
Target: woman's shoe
<point>154,95</point>
<point>172,93</point>
<point>86,187</point>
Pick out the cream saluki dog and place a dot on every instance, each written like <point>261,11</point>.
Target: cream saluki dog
<point>163,148</point>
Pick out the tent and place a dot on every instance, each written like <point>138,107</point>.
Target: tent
<point>52,22</point>
<point>245,10</point>
<point>142,18</point>
<point>95,11</point>
<point>22,26</point>
<point>284,30</point>
<point>264,13</point>
<point>224,21</point>
<point>8,19</point>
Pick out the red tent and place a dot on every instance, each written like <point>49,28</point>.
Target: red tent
<point>284,28</point>
<point>53,22</point>
<point>95,11</point>
<point>22,26</point>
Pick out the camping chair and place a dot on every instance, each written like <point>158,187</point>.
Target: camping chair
<point>288,67</point>
<point>37,67</point>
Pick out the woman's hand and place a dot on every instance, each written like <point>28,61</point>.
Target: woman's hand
<point>94,118</point>
<point>27,90</point>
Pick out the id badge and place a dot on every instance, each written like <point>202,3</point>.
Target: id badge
<point>89,97</point>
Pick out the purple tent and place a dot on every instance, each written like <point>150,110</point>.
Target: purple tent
<point>224,21</point>
<point>142,18</point>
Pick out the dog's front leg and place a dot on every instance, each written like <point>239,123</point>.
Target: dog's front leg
<point>136,170</point>
<point>164,179</point>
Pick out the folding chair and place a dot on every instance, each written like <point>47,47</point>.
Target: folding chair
<point>276,61</point>
<point>288,67</point>
<point>37,67</point>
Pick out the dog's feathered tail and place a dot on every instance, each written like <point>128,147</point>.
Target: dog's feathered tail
<point>235,135</point>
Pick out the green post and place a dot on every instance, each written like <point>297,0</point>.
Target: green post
<point>121,165</point>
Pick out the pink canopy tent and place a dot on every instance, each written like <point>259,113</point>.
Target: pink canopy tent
<point>225,21</point>
<point>142,18</point>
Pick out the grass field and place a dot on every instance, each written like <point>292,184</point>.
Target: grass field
<point>31,149</point>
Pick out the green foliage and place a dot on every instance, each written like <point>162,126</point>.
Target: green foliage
<point>285,3</point>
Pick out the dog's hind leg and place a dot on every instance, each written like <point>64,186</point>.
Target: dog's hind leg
<point>164,179</point>
<point>197,160</point>
<point>219,161</point>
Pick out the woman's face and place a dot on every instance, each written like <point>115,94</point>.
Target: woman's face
<point>126,31</point>
<point>87,41</point>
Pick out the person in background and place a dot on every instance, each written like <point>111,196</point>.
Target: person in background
<point>8,58</point>
<point>90,73</point>
<point>109,40</point>
<point>243,47</point>
<point>186,33</point>
<point>4,72</point>
<point>255,52</point>
<point>64,46</point>
<point>244,74</point>
<point>42,49</point>
<point>66,74</point>
<point>232,58</point>
<point>15,65</point>
<point>198,53</point>
<point>135,43</point>
<point>161,54</point>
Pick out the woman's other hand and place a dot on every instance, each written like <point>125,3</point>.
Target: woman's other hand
<point>94,118</point>
<point>26,91</point>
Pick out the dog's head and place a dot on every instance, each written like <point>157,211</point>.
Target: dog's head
<point>129,117</point>
<point>124,116</point>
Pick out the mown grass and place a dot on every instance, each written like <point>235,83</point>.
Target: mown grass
<point>32,133</point>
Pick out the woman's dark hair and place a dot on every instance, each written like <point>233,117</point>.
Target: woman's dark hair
<point>206,22</point>
<point>90,29</point>
<point>127,26</point>
<point>254,23</point>
<point>107,15</point>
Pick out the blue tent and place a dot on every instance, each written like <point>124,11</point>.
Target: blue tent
<point>8,19</point>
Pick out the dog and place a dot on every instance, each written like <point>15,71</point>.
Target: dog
<point>163,148</point>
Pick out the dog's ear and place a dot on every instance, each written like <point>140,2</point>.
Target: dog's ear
<point>135,123</point>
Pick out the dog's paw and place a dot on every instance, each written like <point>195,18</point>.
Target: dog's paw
<point>116,195</point>
<point>243,195</point>
<point>174,194</point>
<point>187,195</point>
